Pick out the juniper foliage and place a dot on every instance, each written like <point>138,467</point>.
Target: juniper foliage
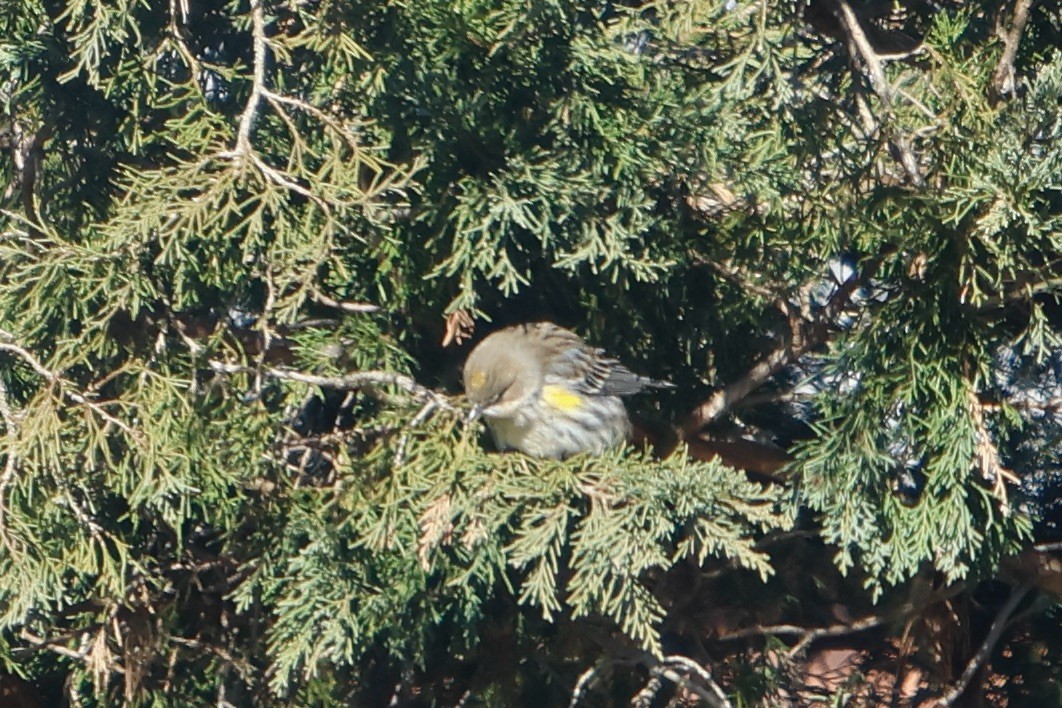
<point>235,467</point>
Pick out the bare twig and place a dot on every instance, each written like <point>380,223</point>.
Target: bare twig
<point>260,43</point>
<point>836,630</point>
<point>57,381</point>
<point>810,635</point>
<point>865,50</point>
<point>1023,291</point>
<point>55,647</point>
<point>994,633</point>
<point>358,307</point>
<point>1004,82</point>
<point>10,466</point>
<point>708,689</point>
<point>1050,405</point>
<point>423,414</point>
<point>242,666</point>
<point>669,668</point>
<point>26,156</point>
<point>737,276</point>
<point>860,46</point>
<point>348,136</point>
<point>803,337</point>
<point>986,454</point>
<point>357,380</point>
<point>584,682</point>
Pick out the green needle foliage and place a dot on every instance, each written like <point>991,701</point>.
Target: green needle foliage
<point>236,468</point>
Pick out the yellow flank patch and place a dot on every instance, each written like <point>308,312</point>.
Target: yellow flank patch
<point>477,379</point>
<point>561,398</point>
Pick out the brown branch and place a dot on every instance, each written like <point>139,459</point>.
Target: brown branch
<point>994,633</point>
<point>10,466</point>
<point>358,307</point>
<point>247,118</point>
<point>57,381</point>
<point>55,647</point>
<point>1004,82</point>
<point>26,156</point>
<point>737,276</point>
<point>804,337</point>
<point>357,380</point>
<point>1023,292</point>
<point>1051,405</point>
<point>986,454</point>
<point>811,635</point>
<point>860,46</point>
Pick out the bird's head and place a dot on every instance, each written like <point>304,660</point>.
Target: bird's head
<point>499,375</point>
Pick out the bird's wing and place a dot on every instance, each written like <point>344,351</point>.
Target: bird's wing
<point>590,370</point>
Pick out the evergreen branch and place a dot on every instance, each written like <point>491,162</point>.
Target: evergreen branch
<point>999,625</point>
<point>259,42</point>
<point>986,454</point>
<point>53,645</point>
<point>278,100</point>
<point>358,307</point>
<point>1004,82</point>
<point>860,46</point>
<point>804,337</point>
<point>243,149</point>
<point>355,381</point>
<point>709,692</point>
<point>10,465</point>
<point>57,381</point>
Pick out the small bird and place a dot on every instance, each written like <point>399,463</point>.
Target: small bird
<point>547,393</point>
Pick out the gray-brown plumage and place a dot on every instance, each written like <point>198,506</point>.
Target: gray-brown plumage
<point>545,392</point>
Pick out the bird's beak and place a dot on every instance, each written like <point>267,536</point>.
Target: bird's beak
<point>474,414</point>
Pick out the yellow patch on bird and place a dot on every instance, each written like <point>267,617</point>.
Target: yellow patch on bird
<point>561,398</point>
<point>477,379</point>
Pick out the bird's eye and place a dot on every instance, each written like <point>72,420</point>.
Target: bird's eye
<point>477,380</point>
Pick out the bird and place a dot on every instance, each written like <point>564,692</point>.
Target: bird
<point>545,392</point>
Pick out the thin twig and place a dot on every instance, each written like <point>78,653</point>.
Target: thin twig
<point>358,307</point>
<point>986,454</point>
<point>52,646</point>
<point>10,466</point>
<point>811,635</point>
<point>860,46</point>
<point>57,381</point>
<point>357,380</point>
<point>260,43</point>
<point>994,633</point>
<point>400,452</point>
<point>582,684</point>
<point>1004,82</point>
<point>804,337</point>
<point>1024,291</point>
<point>870,58</point>
<point>709,692</point>
<point>279,99</point>
<point>738,277</point>
<point>836,630</point>
<point>1051,405</point>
